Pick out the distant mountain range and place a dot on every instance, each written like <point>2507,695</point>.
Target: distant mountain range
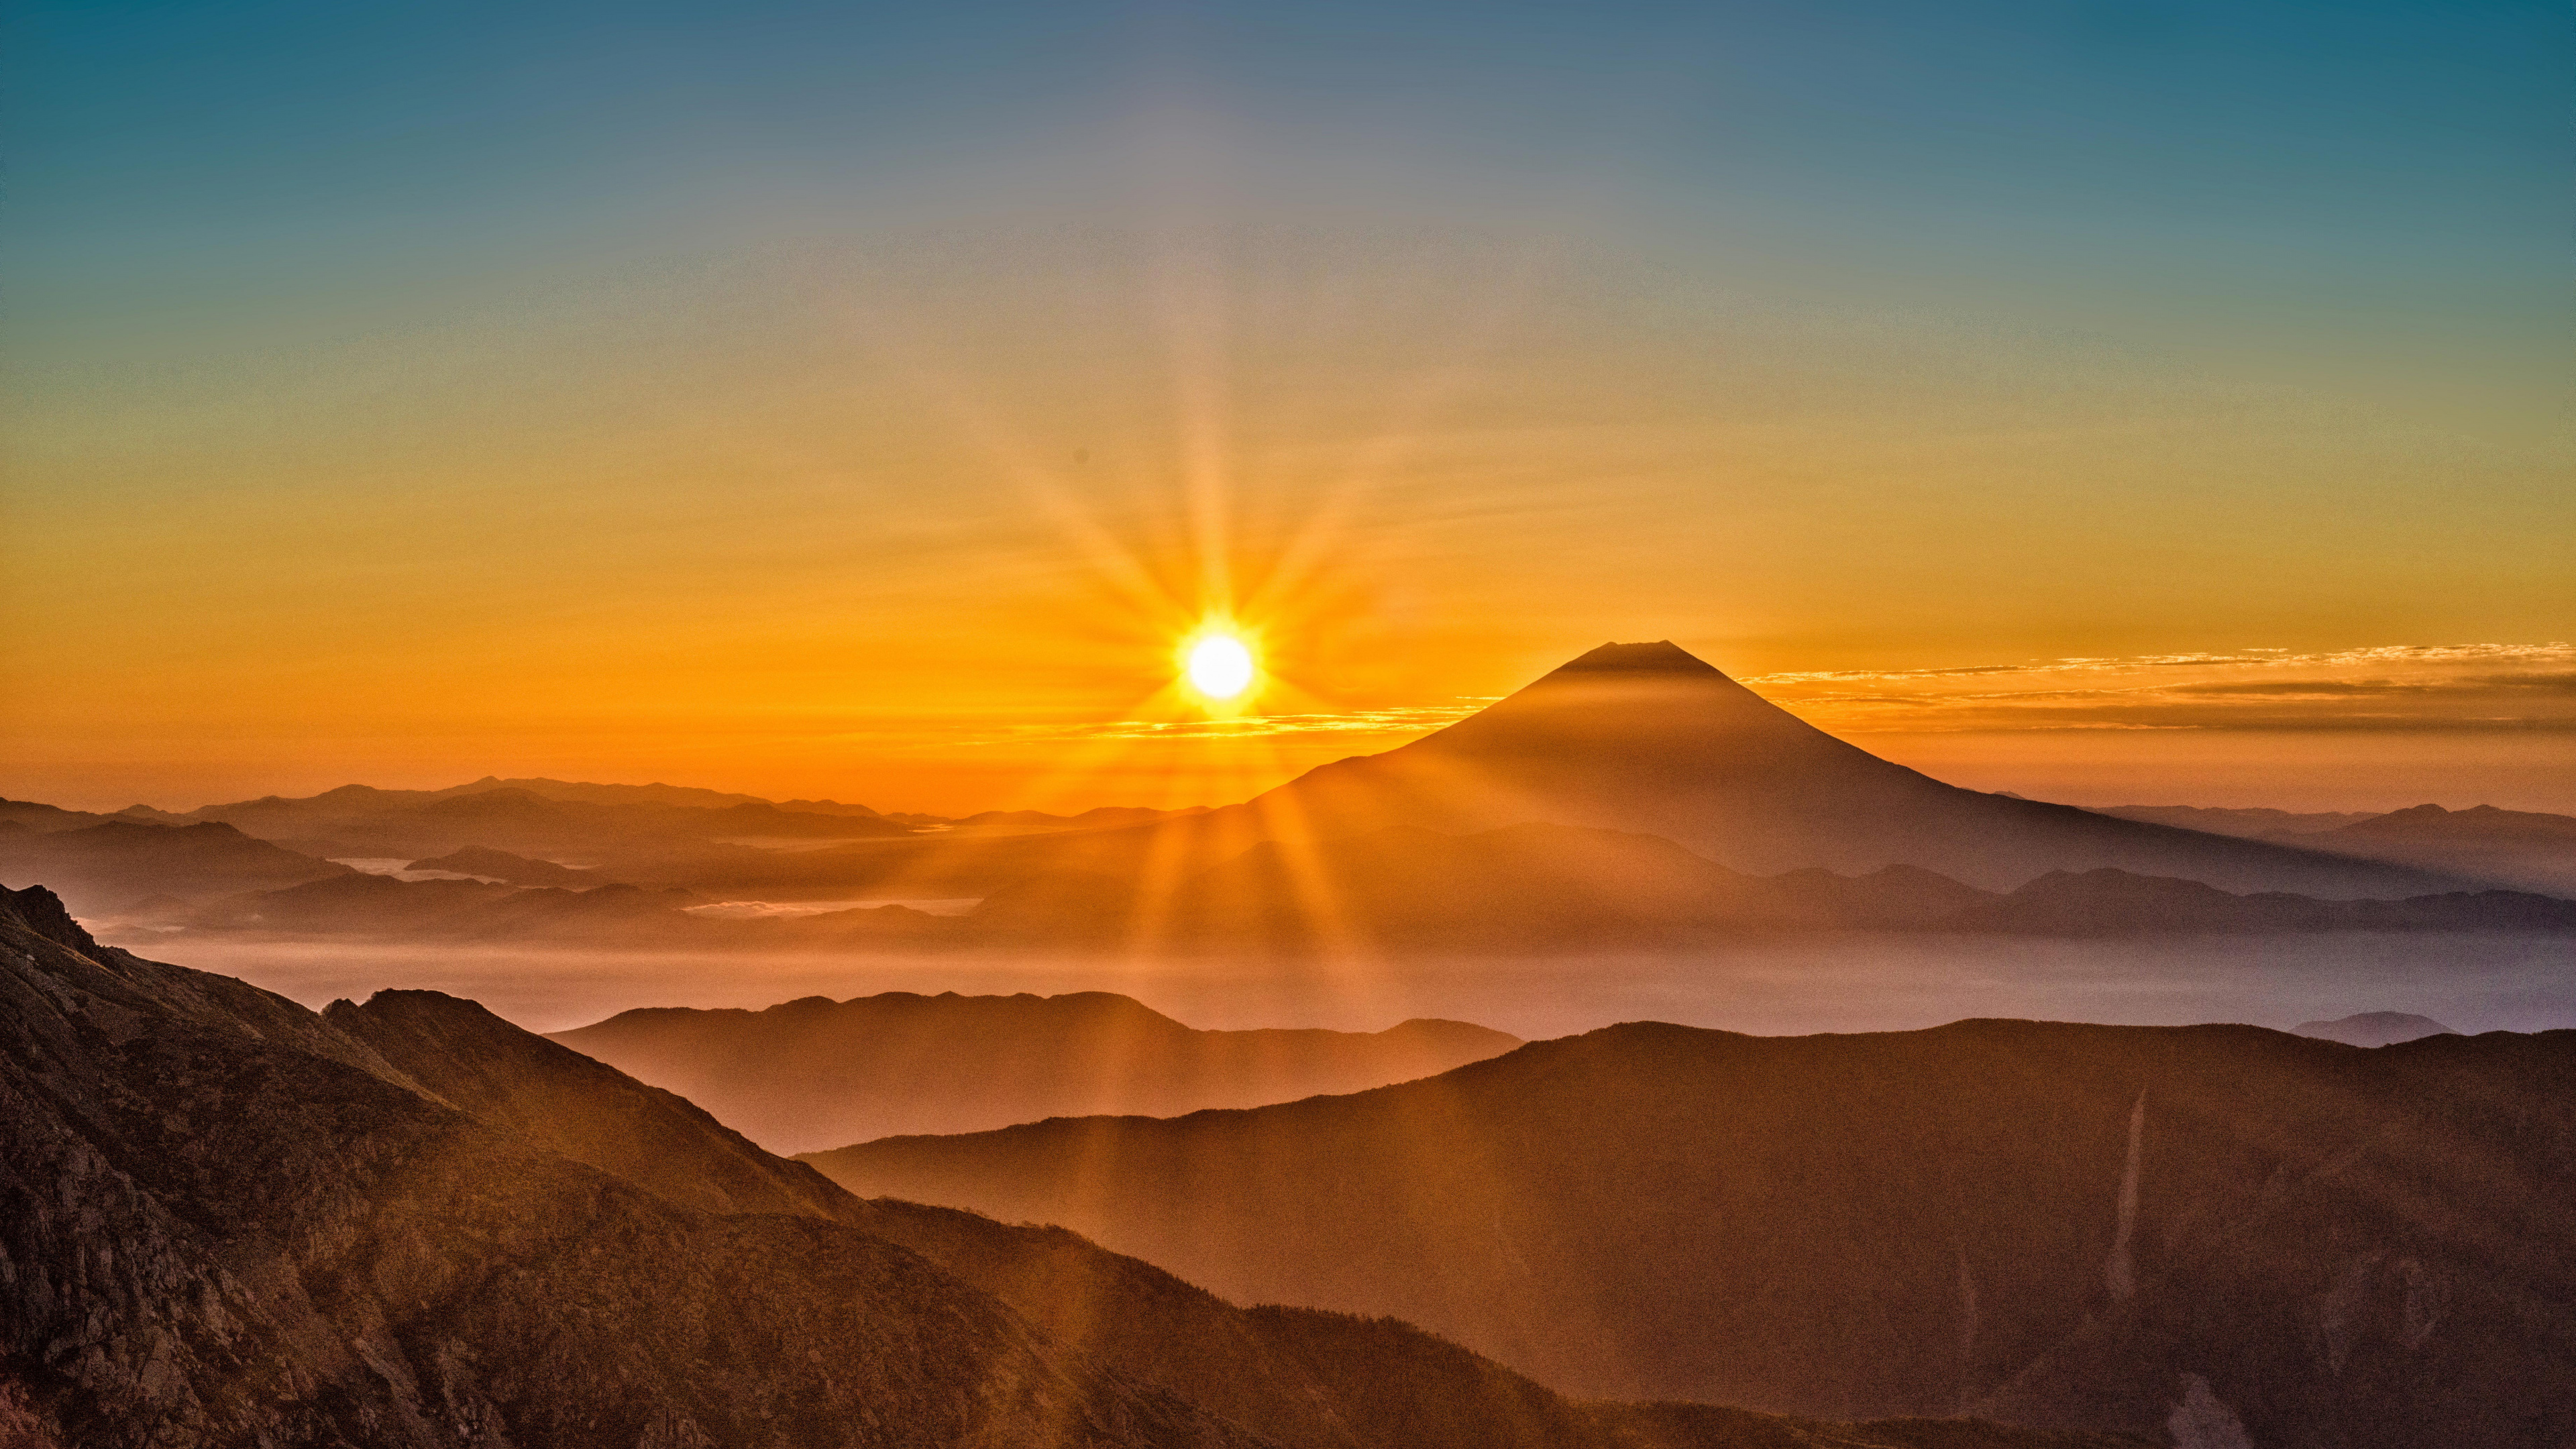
<point>820,1073</point>
<point>2521,848</point>
<point>2047,1224</point>
<point>1523,890</point>
<point>501,867</point>
<point>111,867</point>
<point>1634,794</point>
<point>1540,888</point>
<point>2374,1028</point>
<point>228,1220</point>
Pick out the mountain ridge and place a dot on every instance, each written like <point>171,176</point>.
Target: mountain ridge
<point>232,1220</point>
<point>2050,1224</point>
<point>818,1073</point>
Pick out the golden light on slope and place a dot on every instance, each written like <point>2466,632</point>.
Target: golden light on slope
<point>1218,664</point>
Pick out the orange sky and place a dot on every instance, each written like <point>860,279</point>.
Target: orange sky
<point>929,542</point>
<point>896,474</point>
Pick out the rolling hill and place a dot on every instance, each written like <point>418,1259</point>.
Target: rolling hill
<point>2054,1225</point>
<point>819,1073</point>
<point>104,868</point>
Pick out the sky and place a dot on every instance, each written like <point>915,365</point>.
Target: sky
<point>2158,403</point>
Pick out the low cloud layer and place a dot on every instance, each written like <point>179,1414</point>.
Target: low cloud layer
<point>2392,687</point>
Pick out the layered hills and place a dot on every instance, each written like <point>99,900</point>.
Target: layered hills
<point>1528,890</point>
<point>106,868</point>
<point>819,1073</point>
<point>2524,848</point>
<point>2048,1224</point>
<point>1634,795</point>
<point>229,1220</point>
<point>1540,888</point>
<point>482,863</point>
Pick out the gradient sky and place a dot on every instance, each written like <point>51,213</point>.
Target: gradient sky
<point>2106,401</point>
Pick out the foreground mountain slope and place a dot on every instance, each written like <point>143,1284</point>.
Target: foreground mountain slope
<point>1645,737</point>
<point>2055,1224</point>
<point>817,1073</point>
<point>227,1221</point>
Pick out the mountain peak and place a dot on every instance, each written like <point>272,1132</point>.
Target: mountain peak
<point>1660,657</point>
<point>2375,1028</point>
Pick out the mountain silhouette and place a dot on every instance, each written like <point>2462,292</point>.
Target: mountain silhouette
<point>501,865</point>
<point>380,907</point>
<point>1540,888</point>
<point>2049,1224</point>
<point>101,869</point>
<point>1524,890</point>
<point>2526,848</point>
<point>2109,902</point>
<point>2374,1028</point>
<point>1648,738</point>
<point>819,1073</point>
<point>1525,886</point>
<point>589,821</point>
<point>229,1220</point>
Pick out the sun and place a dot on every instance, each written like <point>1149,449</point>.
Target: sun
<point>1218,664</point>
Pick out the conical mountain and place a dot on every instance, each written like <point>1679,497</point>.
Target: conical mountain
<point>1649,738</point>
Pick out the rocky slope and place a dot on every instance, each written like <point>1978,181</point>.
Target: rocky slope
<point>226,1220</point>
<point>227,1223</point>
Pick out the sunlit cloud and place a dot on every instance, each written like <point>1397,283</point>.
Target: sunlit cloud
<point>2388,687</point>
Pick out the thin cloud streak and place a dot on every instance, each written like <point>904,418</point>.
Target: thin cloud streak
<point>2477,687</point>
<point>1418,719</point>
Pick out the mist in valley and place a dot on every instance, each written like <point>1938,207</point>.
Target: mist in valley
<point>2472,982</point>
